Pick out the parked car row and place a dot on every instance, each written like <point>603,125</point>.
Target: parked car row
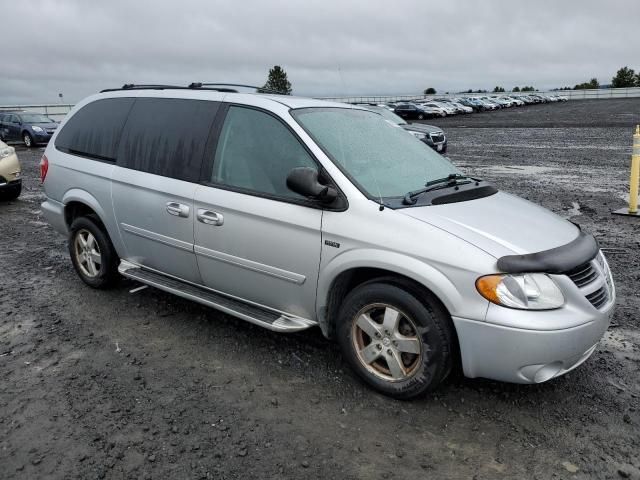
<point>441,107</point>
<point>27,127</point>
<point>429,134</point>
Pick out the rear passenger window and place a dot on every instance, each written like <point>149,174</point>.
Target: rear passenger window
<point>167,136</point>
<point>256,152</point>
<point>95,129</point>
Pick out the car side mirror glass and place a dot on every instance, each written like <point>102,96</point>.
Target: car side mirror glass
<point>304,181</point>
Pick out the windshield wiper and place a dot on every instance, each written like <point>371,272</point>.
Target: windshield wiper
<point>449,181</point>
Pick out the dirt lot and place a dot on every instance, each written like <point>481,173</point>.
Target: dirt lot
<point>98,384</point>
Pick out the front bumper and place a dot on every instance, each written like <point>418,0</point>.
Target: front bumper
<point>5,185</point>
<point>519,355</point>
<point>42,137</point>
<point>440,147</point>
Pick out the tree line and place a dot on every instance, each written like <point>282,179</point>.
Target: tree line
<point>625,77</point>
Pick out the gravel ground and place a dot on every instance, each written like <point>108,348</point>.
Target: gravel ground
<point>97,384</point>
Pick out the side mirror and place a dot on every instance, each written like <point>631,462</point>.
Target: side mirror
<point>304,180</point>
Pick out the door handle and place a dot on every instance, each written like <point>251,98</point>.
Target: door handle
<point>209,217</point>
<point>177,209</point>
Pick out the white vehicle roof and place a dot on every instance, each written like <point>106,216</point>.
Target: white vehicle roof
<point>243,98</point>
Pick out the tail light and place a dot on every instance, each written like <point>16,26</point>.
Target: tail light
<point>44,168</point>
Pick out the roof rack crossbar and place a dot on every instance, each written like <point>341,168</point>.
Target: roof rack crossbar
<point>131,86</point>
<point>258,89</point>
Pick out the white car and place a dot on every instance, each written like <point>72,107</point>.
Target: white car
<point>450,109</point>
<point>434,109</point>
<point>462,108</point>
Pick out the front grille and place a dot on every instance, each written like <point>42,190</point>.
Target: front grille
<point>437,138</point>
<point>583,274</point>
<point>599,297</point>
<point>51,130</point>
<point>589,272</point>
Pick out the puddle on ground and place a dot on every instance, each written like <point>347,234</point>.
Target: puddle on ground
<point>574,211</point>
<point>537,146</point>
<point>583,181</point>
<point>517,169</point>
<point>32,196</point>
<point>623,343</point>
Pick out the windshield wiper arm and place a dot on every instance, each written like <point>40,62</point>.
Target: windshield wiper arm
<point>448,181</point>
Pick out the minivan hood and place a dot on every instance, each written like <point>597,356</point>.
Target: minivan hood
<point>500,224</point>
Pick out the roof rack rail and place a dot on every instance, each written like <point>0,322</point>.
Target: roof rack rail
<point>218,87</point>
<point>132,86</point>
<point>222,85</point>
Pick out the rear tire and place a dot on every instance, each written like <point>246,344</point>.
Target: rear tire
<point>398,344</point>
<point>92,253</point>
<point>421,117</point>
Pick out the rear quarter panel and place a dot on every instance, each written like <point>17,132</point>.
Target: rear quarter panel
<point>77,179</point>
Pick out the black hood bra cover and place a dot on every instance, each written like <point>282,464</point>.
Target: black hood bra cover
<point>556,260</point>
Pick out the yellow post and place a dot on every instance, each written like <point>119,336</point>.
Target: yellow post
<point>635,172</point>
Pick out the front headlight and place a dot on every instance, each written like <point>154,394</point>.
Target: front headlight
<point>418,135</point>
<point>37,129</point>
<point>5,152</point>
<point>526,291</point>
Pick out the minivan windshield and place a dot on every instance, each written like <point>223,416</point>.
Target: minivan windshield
<point>387,114</point>
<point>382,159</point>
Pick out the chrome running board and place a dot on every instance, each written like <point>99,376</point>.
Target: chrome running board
<point>260,316</point>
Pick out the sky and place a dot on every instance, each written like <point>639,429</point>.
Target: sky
<point>327,48</point>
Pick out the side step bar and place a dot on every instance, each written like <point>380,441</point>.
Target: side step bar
<point>263,317</point>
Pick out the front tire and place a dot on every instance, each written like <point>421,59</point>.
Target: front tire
<point>92,253</point>
<point>398,344</point>
<point>27,139</point>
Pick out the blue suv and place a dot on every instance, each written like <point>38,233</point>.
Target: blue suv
<point>30,128</point>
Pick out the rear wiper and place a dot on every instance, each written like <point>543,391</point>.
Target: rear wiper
<point>445,182</point>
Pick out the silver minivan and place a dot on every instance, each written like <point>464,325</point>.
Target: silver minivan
<point>292,213</point>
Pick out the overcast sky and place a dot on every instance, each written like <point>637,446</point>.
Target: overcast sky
<point>328,47</point>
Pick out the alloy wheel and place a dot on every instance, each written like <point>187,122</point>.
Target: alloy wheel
<point>87,253</point>
<point>386,342</point>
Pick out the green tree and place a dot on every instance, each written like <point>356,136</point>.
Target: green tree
<point>498,89</point>
<point>638,80</point>
<point>430,91</point>
<point>528,89</point>
<point>516,89</point>
<point>591,84</point>
<point>625,77</point>
<point>277,81</point>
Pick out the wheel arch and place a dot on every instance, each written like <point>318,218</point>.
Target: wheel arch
<point>79,202</point>
<point>353,268</point>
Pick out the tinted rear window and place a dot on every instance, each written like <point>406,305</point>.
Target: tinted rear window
<point>167,136</point>
<point>95,129</point>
